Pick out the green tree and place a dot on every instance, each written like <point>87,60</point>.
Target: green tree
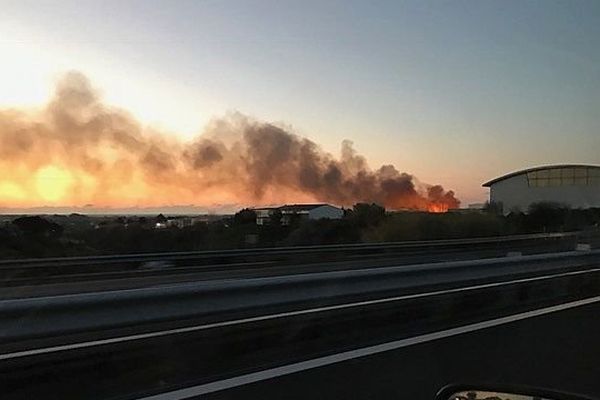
<point>364,214</point>
<point>38,226</point>
<point>245,216</point>
<point>547,216</point>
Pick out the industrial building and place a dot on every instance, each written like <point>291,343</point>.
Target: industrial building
<point>303,211</point>
<point>577,186</point>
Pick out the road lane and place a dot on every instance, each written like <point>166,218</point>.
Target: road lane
<point>150,365</point>
<point>303,366</point>
<point>556,351</point>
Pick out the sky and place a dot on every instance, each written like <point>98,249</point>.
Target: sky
<point>454,92</point>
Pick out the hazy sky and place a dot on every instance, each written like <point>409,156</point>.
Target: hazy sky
<point>455,92</point>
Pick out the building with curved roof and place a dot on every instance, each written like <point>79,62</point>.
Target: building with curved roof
<point>575,185</point>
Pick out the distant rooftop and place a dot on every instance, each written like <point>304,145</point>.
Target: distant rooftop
<point>295,207</point>
<point>543,167</point>
<point>301,207</point>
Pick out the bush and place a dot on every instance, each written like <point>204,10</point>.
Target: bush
<point>426,226</point>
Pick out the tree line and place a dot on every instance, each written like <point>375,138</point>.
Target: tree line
<point>73,235</point>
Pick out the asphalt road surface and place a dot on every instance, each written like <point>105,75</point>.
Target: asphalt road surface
<point>530,330</point>
<point>558,350</point>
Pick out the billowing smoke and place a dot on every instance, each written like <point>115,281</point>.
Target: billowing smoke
<point>78,150</point>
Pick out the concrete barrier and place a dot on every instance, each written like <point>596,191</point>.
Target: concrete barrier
<point>23,319</point>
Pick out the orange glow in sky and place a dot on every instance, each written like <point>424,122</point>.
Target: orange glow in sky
<point>77,150</point>
<point>53,183</point>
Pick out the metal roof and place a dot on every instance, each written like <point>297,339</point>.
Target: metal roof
<point>543,167</point>
<point>293,207</point>
<point>301,207</point>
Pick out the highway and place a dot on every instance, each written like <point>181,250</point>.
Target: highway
<point>393,331</point>
<point>556,350</point>
<point>40,277</point>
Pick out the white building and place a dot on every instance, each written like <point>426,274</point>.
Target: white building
<point>303,211</point>
<point>577,186</point>
<point>263,215</point>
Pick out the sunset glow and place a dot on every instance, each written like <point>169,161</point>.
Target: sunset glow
<point>52,183</point>
<point>11,191</point>
<point>422,89</point>
<point>78,150</point>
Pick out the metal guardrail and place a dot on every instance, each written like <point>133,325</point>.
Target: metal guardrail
<point>140,257</point>
<point>33,272</point>
<point>31,318</point>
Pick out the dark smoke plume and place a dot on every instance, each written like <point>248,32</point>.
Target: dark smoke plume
<point>111,159</point>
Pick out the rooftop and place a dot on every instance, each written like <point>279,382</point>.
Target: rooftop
<point>543,167</point>
<point>301,207</point>
<point>294,207</point>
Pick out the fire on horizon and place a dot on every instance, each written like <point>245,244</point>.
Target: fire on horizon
<point>77,150</point>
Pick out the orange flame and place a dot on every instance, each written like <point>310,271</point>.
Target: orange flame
<point>437,208</point>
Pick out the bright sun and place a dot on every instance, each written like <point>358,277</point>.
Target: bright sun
<point>53,183</point>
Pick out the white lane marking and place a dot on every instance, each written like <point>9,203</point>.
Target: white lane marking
<point>241,380</point>
<point>148,335</point>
